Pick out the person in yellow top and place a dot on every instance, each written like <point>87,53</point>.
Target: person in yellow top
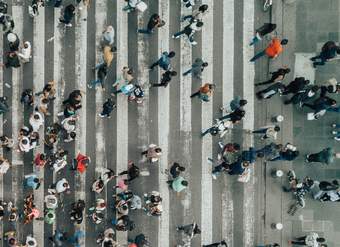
<point>273,50</point>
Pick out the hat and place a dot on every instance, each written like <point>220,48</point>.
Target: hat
<point>11,37</point>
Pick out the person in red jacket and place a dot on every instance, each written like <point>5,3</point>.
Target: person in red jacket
<point>81,162</point>
<point>273,50</point>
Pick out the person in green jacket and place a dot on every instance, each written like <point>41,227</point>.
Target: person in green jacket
<point>325,156</point>
<point>178,184</point>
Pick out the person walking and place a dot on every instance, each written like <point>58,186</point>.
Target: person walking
<point>236,103</point>
<point>325,156</point>
<point>176,169</point>
<point>270,91</point>
<point>153,153</point>
<point>197,68</point>
<point>295,86</point>
<point>311,240</point>
<point>303,96</point>
<point>166,78</point>
<point>155,21</point>
<point>273,50</point>
<point>191,229</point>
<point>235,116</point>
<point>321,104</point>
<point>268,132</point>
<point>197,14</point>
<point>32,181</point>
<point>101,76</point>
<point>68,15</point>
<point>276,76</point>
<point>328,51</point>
<point>265,29</point>
<point>178,184</point>
<point>108,36</point>
<point>164,61</point>
<point>190,30</point>
<point>288,153</point>
<point>108,107</point>
<point>220,127</point>
<point>204,92</point>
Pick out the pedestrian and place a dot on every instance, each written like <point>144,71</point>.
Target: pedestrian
<point>27,97</point>
<point>26,52</point>
<point>166,78</point>
<point>48,91</point>
<point>238,167</point>
<point>197,14</point>
<point>101,76</point>
<point>273,50</point>
<point>13,42</point>
<point>7,23</point>
<point>3,105</point>
<point>153,153</point>
<point>303,96</point>
<point>328,186</point>
<point>6,142</point>
<point>69,13</point>
<point>220,127</point>
<point>176,169</point>
<point>32,181</point>
<point>328,51</point>
<point>276,76</point>
<point>325,156</point>
<point>12,60</point>
<point>155,21</point>
<point>295,86</point>
<point>204,92</point>
<point>190,230</point>
<point>31,242</point>
<point>288,153</point>
<point>40,160</point>
<point>108,107</point>
<point>125,78</point>
<point>60,186</point>
<point>98,186</point>
<point>218,169</point>
<point>74,100</point>
<point>223,243</point>
<point>4,165</point>
<point>235,116</point>
<point>265,29</point>
<point>36,120</point>
<point>80,163</point>
<point>228,151</point>
<point>178,184</point>
<point>132,172</point>
<point>269,131</point>
<point>190,30</point>
<point>236,103</point>
<point>108,36</point>
<point>312,239</point>
<point>321,104</point>
<point>330,86</point>
<point>250,155</point>
<point>164,61</point>
<point>197,68</point>
<point>270,150</point>
<point>270,91</point>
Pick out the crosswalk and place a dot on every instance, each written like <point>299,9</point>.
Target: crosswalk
<point>223,208</point>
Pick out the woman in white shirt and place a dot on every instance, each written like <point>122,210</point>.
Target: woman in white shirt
<point>25,53</point>
<point>36,121</point>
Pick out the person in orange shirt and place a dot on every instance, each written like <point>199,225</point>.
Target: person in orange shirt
<point>273,49</point>
<point>204,92</point>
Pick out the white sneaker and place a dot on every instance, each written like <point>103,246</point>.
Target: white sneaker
<point>333,125</point>
<point>214,176</point>
<point>334,132</point>
<point>68,25</point>
<point>193,43</point>
<point>336,138</point>
<point>100,115</point>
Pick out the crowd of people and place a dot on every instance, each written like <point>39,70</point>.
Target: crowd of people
<point>231,159</point>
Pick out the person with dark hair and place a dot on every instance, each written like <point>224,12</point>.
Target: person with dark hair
<point>196,68</point>
<point>270,150</point>
<point>155,21</point>
<point>303,96</point>
<point>321,104</point>
<point>69,13</point>
<point>176,169</point>
<point>190,30</point>
<point>191,230</point>
<point>235,116</point>
<point>32,181</point>
<point>164,60</point>
<point>312,239</point>
<point>295,86</point>
<point>236,103</point>
<point>197,14</point>
<point>178,184</point>
<point>325,156</point>
<point>328,51</point>
<point>270,91</point>
<point>277,76</point>
<point>204,92</point>
<point>166,78</point>
<point>286,154</point>
<point>101,76</point>
<point>219,167</point>
<point>268,131</point>
<point>262,31</point>
<point>132,171</point>
<point>273,50</point>
<point>27,97</point>
<point>108,107</point>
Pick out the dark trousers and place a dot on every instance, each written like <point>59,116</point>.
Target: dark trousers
<point>159,85</point>
<point>300,241</point>
<point>195,94</point>
<point>322,59</point>
<point>154,65</point>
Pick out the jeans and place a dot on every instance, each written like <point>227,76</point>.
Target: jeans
<point>179,33</point>
<point>277,158</point>
<point>159,85</point>
<point>93,83</point>
<point>190,17</point>
<point>254,40</point>
<point>258,55</point>
<point>260,131</point>
<point>225,117</point>
<point>320,57</point>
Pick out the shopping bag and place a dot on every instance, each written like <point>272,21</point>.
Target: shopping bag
<point>245,177</point>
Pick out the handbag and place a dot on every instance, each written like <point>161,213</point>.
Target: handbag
<point>245,177</point>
